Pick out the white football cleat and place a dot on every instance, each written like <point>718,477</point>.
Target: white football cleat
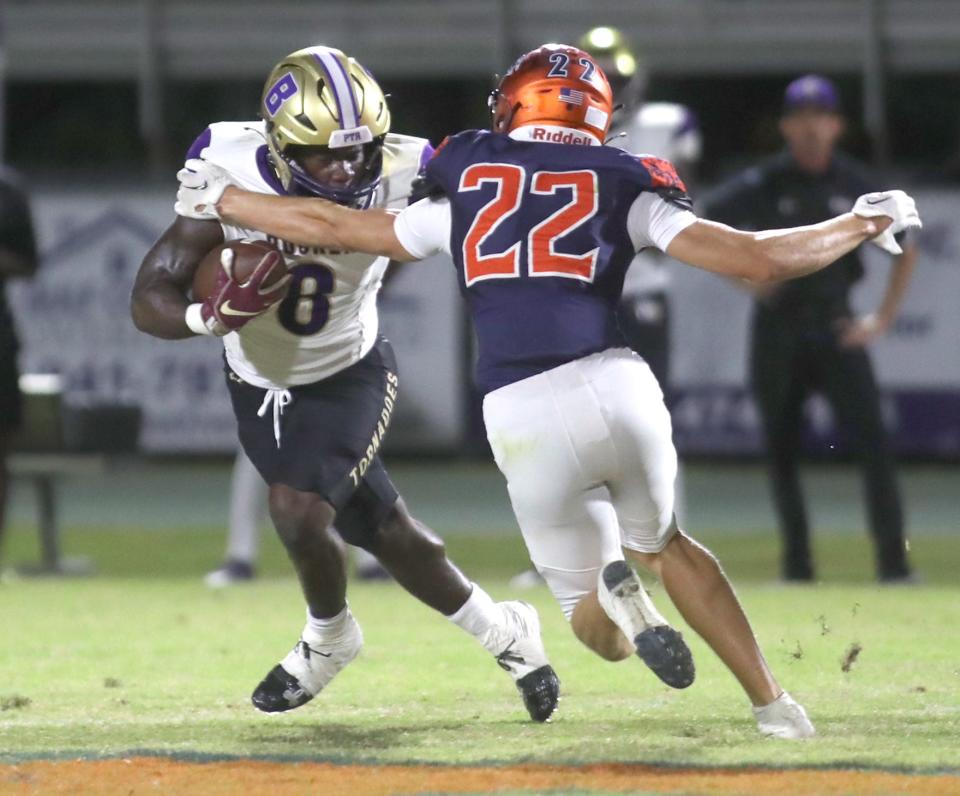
<point>784,718</point>
<point>519,651</point>
<point>308,668</point>
<point>626,602</point>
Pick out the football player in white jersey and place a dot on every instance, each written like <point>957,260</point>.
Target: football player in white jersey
<point>313,386</point>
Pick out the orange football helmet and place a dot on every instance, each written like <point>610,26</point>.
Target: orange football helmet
<point>554,84</point>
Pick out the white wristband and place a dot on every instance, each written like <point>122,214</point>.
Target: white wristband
<point>194,320</point>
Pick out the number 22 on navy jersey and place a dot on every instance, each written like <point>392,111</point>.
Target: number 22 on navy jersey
<point>538,232</point>
<point>481,261</point>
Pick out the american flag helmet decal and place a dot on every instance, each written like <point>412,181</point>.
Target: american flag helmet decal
<point>571,95</point>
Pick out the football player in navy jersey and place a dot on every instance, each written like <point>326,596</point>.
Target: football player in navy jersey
<point>542,221</point>
<point>312,383</point>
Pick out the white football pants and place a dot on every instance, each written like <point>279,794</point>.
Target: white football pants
<point>587,452</point>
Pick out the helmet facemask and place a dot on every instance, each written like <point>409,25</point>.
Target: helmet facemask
<point>361,163</point>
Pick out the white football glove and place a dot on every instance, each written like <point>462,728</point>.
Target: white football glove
<point>894,204</point>
<point>202,183</point>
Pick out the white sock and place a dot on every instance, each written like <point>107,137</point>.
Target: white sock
<point>784,697</point>
<point>327,629</point>
<point>478,614</point>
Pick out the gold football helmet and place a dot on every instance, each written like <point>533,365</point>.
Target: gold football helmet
<point>320,104</point>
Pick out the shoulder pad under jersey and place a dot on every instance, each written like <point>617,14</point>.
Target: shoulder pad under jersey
<point>403,158</point>
<point>442,171</point>
<point>454,144</point>
<point>235,147</point>
<point>425,185</point>
<point>227,137</point>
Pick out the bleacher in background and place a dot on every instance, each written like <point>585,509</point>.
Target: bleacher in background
<point>110,39</point>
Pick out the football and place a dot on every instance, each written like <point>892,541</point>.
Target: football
<point>247,256</point>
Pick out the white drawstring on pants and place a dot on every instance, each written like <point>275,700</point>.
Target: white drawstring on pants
<point>279,399</point>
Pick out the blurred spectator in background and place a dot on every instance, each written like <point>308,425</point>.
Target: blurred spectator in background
<point>665,130</point>
<point>805,336</point>
<point>248,511</point>
<point>18,258</point>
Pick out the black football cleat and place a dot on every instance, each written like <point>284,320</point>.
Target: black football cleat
<point>307,670</point>
<point>667,655</point>
<point>659,646</point>
<point>522,655</point>
<point>279,691</point>
<point>540,690</point>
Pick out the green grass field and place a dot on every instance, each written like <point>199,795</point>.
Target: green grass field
<point>143,657</point>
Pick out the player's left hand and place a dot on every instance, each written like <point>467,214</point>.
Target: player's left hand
<point>859,332</point>
<point>898,206</point>
<point>202,183</point>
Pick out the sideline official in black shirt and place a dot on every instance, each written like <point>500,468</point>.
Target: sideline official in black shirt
<point>805,336</point>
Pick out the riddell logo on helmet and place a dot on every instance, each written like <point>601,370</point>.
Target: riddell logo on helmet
<point>560,136</point>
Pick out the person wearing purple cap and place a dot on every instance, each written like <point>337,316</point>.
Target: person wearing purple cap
<point>806,336</point>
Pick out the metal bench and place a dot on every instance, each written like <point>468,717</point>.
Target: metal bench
<point>43,470</point>
<point>56,441</point>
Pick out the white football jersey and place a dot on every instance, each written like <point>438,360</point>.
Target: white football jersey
<point>665,130</point>
<point>328,321</point>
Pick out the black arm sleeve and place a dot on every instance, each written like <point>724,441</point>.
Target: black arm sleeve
<point>423,187</point>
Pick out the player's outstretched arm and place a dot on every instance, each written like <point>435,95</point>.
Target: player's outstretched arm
<point>159,301</point>
<point>780,254</point>
<point>313,222</point>
<point>771,255</point>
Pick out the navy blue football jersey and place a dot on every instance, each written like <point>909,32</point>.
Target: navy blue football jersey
<point>539,238</point>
